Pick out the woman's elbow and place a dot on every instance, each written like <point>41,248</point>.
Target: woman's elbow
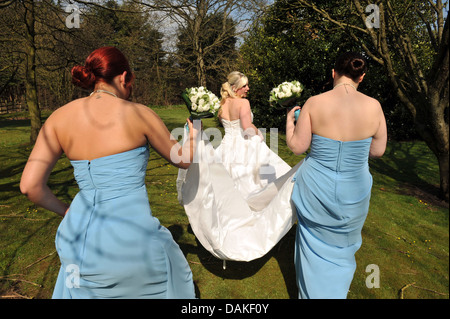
<point>376,154</point>
<point>24,186</point>
<point>377,150</point>
<point>182,165</point>
<point>30,188</point>
<point>297,148</point>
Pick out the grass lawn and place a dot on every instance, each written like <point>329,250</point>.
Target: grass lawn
<point>405,238</point>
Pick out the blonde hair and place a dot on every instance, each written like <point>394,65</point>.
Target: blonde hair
<point>235,80</point>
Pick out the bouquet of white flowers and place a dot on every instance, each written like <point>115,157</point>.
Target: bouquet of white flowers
<point>200,102</point>
<point>286,94</point>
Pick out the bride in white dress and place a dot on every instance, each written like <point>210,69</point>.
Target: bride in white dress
<point>237,196</point>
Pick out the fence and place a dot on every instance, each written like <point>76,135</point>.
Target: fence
<point>12,106</point>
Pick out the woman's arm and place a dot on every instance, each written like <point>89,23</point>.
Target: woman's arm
<point>43,158</point>
<point>245,116</point>
<point>165,144</point>
<point>298,136</point>
<point>379,140</point>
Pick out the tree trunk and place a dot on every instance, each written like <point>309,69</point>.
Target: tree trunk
<point>430,124</point>
<point>30,73</point>
<point>435,105</point>
<point>426,97</point>
<point>443,170</point>
<point>201,72</point>
<point>31,96</point>
<point>198,49</point>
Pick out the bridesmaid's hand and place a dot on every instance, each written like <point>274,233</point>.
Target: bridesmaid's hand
<point>193,130</point>
<point>291,113</point>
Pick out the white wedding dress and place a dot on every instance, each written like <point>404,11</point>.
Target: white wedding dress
<point>238,196</point>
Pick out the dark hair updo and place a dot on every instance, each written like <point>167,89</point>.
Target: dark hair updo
<point>351,64</point>
<point>102,64</point>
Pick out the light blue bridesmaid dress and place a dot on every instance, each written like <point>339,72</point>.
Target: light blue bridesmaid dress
<point>331,194</point>
<point>109,244</point>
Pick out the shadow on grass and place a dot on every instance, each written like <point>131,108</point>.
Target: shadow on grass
<point>18,246</point>
<point>403,162</point>
<point>282,252</point>
<point>8,123</point>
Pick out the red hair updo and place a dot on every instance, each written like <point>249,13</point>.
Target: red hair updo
<point>103,64</point>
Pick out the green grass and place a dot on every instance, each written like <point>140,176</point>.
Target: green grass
<point>405,235</point>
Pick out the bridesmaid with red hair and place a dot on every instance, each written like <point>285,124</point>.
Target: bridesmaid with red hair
<point>109,244</point>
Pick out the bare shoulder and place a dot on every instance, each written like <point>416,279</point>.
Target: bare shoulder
<point>65,112</point>
<point>369,100</point>
<point>141,110</point>
<point>313,101</point>
<point>144,117</point>
<point>243,104</point>
<point>243,101</point>
<point>318,98</point>
<point>239,102</point>
<point>67,107</point>
<point>372,104</point>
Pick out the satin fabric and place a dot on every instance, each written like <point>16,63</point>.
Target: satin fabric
<point>237,196</point>
<point>109,244</point>
<point>331,196</point>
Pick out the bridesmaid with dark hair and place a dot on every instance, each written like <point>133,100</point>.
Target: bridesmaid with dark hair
<point>332,187</point>
<point>109,244</point>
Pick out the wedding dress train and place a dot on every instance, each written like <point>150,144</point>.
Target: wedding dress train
<point>238,196</point>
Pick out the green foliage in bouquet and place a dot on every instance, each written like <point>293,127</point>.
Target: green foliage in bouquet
<point>286,94</point>
<point>200,102</point>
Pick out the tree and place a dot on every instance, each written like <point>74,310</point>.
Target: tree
<point>21,42</point>
<point>219,59</point>
<point>130,27</point>
<point>288,44</point>
<point>194,17</point>
<point>410,41</point>
<point>39,48</point>
<point>27,28</point>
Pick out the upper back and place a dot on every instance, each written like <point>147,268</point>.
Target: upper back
<point>94,127</point>
<point>230,110</point>
<point>344,115</point>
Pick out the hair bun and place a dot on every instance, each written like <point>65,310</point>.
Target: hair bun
<point>351,64</point>
<point>83,77</point>
<point>357,64</point>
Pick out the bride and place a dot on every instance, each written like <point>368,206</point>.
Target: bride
<point>239,204</point>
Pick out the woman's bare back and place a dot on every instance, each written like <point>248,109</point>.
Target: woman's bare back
<point>230,110</point>
<point>98,126</point>
<point>344,114</point>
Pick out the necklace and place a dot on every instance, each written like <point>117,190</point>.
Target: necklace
<point>340,84</point>
<point>104,91</point>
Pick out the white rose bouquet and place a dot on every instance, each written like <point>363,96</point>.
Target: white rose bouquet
<point>200,102</point>
<point>286,94</point>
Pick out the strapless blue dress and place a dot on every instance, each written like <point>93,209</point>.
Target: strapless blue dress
<point>109,244</point>
<point>331,195</point>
